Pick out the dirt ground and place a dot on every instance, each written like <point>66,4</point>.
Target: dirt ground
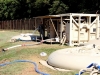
<point>29,70</point>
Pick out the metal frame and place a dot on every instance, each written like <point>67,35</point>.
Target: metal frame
<point>78,24</point>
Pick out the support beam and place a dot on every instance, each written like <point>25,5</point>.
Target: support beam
<point>97,27</point>
<point>64,22</point>
<point>89,20</point>
<point>93,23</point>
<point>79,29</point>
<point>70,31</point>
<point>48,30</point>
<point>54,27</point>
<point>58,28</point>
<point>75,22</point>
<point>61,28</point>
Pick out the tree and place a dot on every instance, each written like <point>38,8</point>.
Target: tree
<point>8,9</point>
<point>58,7</point>
<point>41,7</point>
<point>18,9</point>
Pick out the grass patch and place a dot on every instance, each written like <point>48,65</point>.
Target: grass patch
<point>25,53</point>
<point>12,69</point>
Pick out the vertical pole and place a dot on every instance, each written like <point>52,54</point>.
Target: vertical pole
<point>97,27</point>
<point>79,29</point>
<point>61,28</point>
<point>70,31</point>
<point>89,28</point>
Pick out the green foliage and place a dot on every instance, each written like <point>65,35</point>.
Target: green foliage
<point>41,7</point>
<point>8,9</point>
<point>58,7</point>
<point>16,9</point>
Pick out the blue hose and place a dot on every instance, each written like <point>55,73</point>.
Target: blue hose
<point>95,65</point>
<point>36,67</point>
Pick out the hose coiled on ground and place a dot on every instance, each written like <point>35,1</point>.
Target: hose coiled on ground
<point>36,67</point>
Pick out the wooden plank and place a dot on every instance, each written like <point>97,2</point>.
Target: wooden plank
<point>54,27</point>
<point>64,39</point>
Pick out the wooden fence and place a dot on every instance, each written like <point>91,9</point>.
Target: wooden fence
<point>20,24</point>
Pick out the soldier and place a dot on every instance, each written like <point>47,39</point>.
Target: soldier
<point>41,30</point>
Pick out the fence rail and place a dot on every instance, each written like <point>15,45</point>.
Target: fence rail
<point>20,24</point>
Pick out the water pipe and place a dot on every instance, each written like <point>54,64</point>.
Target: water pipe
<point>81,72</point>
<point>95,66</point>
<point>36,67</point>
<point>24,45</point>
<point>20,46</point>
